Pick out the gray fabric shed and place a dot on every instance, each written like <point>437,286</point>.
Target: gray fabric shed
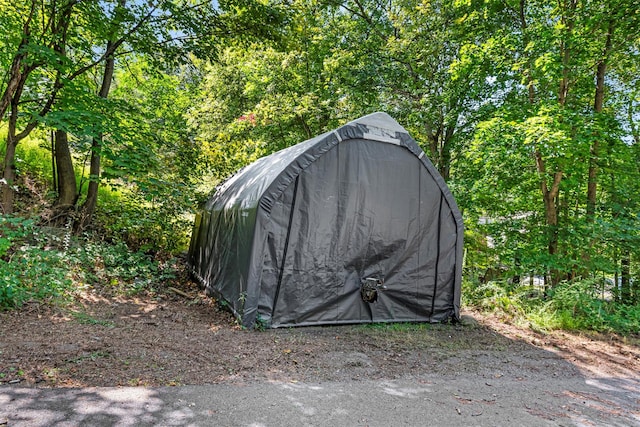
<point>352,226</point>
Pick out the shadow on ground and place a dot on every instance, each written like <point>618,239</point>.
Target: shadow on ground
<point>355,403</point>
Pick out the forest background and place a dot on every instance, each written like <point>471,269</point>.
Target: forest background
<point>119,117</point>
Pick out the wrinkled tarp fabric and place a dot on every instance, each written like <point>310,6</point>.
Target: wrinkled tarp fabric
<point>289,239</point>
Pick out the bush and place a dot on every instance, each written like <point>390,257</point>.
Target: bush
<point>115,268</point>
<point>499,297</point>
<point>48,264</point>
<point>157,226</point>
<point>578,307</point>
<point>28,269</point>
<point>570,305</point>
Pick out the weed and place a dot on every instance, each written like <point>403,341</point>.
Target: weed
<point>51,373</point>
<point>134,382</point>
<point>85,319</point>
<point>261,323</point>
<point>145,226</point>
<point>124,271</point>
<point>91,356</point>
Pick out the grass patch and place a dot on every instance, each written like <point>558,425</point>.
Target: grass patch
<point>85,319</point>
<point>91,356</point>
<point>414,335</point>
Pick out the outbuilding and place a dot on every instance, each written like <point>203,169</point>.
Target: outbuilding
<point>353,226</point>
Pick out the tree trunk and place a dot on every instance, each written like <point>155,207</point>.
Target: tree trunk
<point>67,194</point>
<point>626,294</point>
<point>551,217</point>
<point>67,189</point>
<point>54,169</point>
<point>91,202</point>
<point>549,195</point>
<point>550,198</point>
<point>15,77</point>
<point>89,207</point>
<point>440,147</point>
<point>565,49</point>
<point>444,166</point>
<point>433,145</point>
<point>18,74</point>
<point>9,172</point>
<point>18,69</point>
<point>445,162</point>
<point>597,107</point>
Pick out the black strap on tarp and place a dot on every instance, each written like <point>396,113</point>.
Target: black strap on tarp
<point>286,245</point>
<point>435,282</point>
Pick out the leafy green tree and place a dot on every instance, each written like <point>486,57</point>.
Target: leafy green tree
<point>426,84</point>
<point>54,46</point>
<point>31,47</point>
<point>157,29</point>
<point>556,65</point>
<point>261,96</point>
<point>337,61</point>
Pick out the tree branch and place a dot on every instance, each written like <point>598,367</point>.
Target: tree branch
<point>555,187</point>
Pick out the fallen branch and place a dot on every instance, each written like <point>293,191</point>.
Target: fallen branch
<point>179,292</point>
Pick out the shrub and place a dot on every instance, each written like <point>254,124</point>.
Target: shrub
<point>28,268</point>
<point>47,264</point>
<point>573,305</point>
<point>494,296</point>
<point>117,269</point>
<point>578,306</point>
<point>149,226</point>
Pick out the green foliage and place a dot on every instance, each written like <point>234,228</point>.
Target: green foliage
<point>116,269</point>
<point>479,84</point>
<point>253,102</point>
<point>261,324</point>
<point>153,219</point>
<point>578,305</point>
<point>527,170</point>
<point>153,165</point>
<point>28,269</point>
<point>495,296</point>
<point>37,264</point>
<point>33,155</point>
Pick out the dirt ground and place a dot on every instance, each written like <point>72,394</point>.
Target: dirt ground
<point>180,338</point>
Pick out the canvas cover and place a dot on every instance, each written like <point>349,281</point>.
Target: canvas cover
<point>352,226</point>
